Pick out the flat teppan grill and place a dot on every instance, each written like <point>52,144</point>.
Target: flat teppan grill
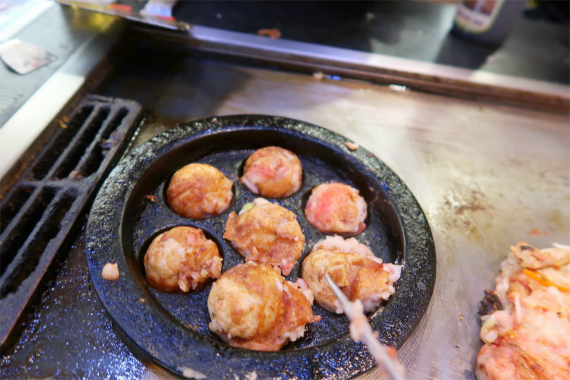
<point>38,213</point>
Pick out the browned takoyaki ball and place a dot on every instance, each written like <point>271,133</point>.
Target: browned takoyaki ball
<point>181,259</point>
<point>352,266</point>
<point>253,307</point>
<point>199,191</point>
<point>336,208</point>
<point>272,172</point>
<point>266,233</point>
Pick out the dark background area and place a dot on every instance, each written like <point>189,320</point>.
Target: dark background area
<point>538,46</point>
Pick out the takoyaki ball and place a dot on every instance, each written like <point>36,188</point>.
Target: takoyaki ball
<point>253,307</point>
<point>272,172</point>
<point>336,208</point>
<point>266,233</point>
<point>181,259</point>
<point>199,191</point>
<point>354,268</point>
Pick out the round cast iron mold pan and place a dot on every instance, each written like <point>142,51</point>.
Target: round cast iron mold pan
<point>173,328</point>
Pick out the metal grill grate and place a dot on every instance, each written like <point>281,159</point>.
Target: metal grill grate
<point>38,213</point>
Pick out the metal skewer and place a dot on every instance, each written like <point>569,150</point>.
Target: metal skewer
<point>392,366</point>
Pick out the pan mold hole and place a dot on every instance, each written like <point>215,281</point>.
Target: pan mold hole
<point>87,136</point>
<point>241,168</point>
<point>139,260</point>
<point>367,221</point>
<point>30,258</point>
<point>45,161</point>
<point>235,194</point>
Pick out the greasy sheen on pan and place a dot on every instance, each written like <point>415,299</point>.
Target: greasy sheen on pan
<point>266,233</point>
<point>252,306</point>
<point>272,172</point>
<point>181,259</point>
<point>199,191</point>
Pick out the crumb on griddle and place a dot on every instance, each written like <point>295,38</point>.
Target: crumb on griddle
<point>271,33</point>
<point>490,303</point>
<point>75,174</point>
<point>110,272</point>
<point>537,232</point>
<point>152,198</point>
<point>352,145</point>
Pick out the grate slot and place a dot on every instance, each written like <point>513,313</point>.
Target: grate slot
<point>50,225</point>
<point>93,162</point>
<point>69,164</point>
<point>115,123</point>
<point>101,148</point>
<point>16,240</point>
<point>12,205</point>
<point>49,156</point>
<point>41,212</point>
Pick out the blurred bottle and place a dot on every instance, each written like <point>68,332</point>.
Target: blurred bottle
<point>487,21</point>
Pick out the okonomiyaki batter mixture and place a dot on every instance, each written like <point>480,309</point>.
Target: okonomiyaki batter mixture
<point>526,326</point>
